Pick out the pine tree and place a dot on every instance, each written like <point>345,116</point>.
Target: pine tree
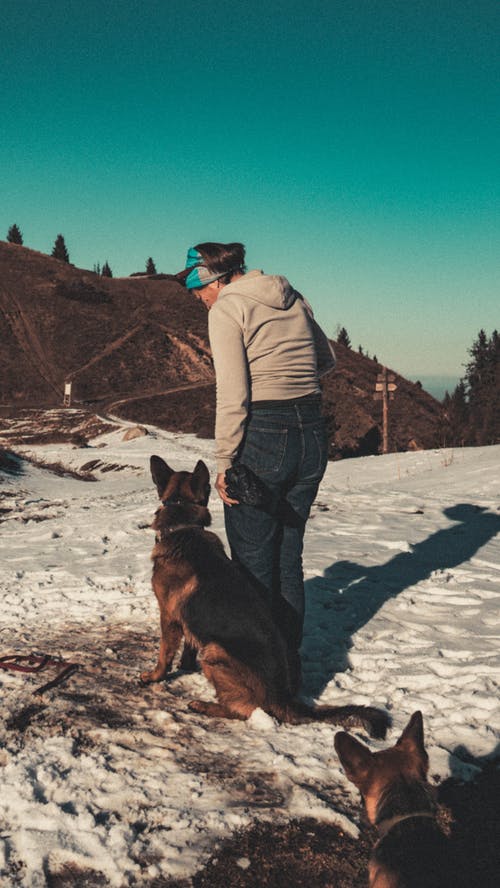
<point>479,379</point>
<point>457,413</point>
<point>150,266</point>
<point>343,337</point>
<point>59,250</point>
<point>473,410</point>
<point>494,408</point>
<point>14,235</point>
<point>475,369</point>
<point>106,271</point>
<point>485,402</point>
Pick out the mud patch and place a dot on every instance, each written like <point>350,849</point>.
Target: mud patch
<point>19,721</point>
<point>59,469</point>
<point>95,465</point>
<point>70,874</point>
<point>56,426</point>
<point>302,853</point>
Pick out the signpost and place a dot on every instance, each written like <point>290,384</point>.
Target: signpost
<point>67,394</point>
<point>384,391</point>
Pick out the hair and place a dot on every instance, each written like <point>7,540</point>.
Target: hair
<point>220,258</point>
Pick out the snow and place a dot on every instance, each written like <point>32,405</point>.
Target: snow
<point>102,775</point>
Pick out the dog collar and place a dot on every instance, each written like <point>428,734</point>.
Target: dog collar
<point>173,529</point>
<point>386,825</point>
<point>171,502</point>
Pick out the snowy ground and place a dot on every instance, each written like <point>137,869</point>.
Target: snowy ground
<point>101,775</point>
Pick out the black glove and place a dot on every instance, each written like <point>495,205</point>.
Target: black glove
<point>242,484</point>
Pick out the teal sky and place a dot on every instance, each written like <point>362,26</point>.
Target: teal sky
<point>352,145</point>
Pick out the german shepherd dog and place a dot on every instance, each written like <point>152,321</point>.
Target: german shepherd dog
<point>204,598</point>
<point>411,851</point>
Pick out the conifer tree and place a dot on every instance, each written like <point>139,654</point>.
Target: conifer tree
<point>59,250</point>
<point>484,394</point>
<point>150,266</point>
<point>457,413</point>
<point>473,410</point>
<point>480,382</point>
<point>344,338</point>
<point>14,235</point>
<point>106,271</point>
<point>491,410</point>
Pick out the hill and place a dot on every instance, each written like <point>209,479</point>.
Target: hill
<point>138,347</point>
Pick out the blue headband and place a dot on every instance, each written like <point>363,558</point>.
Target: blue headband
<point>200,276</point>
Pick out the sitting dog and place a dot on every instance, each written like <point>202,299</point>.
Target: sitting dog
<point>204,598</point>
<point>411,851</point>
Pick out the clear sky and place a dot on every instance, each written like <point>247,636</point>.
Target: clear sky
<point>352,145</point>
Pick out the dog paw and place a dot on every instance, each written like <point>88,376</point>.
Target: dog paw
<point>147,678</point>
<point>197,706</point>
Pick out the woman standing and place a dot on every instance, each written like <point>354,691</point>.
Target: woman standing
<point>268,354</point>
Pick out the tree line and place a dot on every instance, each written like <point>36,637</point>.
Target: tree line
<point>472,411</point>
<point>343,337</point>
<point>471,414</point>
<point>60,251</point>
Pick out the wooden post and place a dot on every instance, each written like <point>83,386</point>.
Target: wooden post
<point>67,394</point>
<point>385,415</point>
<point>384,389</point>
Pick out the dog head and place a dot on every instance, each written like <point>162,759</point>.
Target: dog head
<point>184,495</point>
<point>374,772</point>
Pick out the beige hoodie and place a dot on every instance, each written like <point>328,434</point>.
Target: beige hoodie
<point>266,345</point>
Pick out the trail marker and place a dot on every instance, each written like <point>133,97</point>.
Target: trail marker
<point>67,394</point>
<point>385,387</point>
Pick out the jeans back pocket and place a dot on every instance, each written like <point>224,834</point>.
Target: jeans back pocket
<point>264,449</point>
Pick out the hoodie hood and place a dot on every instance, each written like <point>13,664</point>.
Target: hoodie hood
<point>272,290</point>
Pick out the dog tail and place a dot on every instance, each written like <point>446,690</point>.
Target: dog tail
<point>374,721</point>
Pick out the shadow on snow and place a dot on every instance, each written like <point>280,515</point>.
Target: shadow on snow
<point>348,594</point>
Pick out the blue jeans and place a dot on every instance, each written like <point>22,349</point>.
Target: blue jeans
<point>286,445</point>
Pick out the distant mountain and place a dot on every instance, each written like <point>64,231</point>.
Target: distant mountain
<point>138,347</point>
<point>437,386</point>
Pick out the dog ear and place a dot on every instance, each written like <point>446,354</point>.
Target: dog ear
<point>412,741</point>
<point>200,481</point>
<point>160,473</point>
<point>413,734</point>
<point>355,757</point>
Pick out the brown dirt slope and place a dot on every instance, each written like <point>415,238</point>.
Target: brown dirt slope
<point>139,346</point>
<point>355,417</point>
<point>110,337</point>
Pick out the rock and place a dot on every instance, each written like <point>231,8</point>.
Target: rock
<point>135,432</point>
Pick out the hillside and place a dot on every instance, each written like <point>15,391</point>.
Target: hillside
<point>138,347</point>
<point>355,417</point>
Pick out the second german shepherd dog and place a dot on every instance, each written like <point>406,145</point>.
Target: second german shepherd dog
<point>411,851</point>
<point>205,598</point>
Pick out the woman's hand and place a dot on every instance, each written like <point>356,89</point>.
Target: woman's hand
<point>220,486</point>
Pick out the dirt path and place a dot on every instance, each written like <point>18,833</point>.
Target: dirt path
<point>153,393</point>
<point>140,320</point>
<point>111,347</point>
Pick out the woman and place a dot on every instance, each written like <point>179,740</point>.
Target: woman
<point>268,355</point>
